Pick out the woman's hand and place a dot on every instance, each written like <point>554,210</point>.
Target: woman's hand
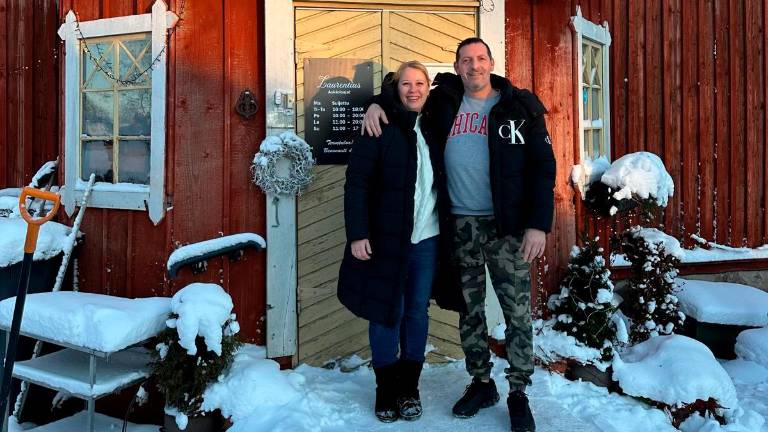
<point>361,249</point>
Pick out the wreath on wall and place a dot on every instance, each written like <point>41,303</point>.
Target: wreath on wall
<point>283,164</point>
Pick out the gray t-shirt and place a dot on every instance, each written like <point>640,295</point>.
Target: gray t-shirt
<point>466,158</point>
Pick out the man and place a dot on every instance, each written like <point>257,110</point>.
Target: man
<point>495,183</point>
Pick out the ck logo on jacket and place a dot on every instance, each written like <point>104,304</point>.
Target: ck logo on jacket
<point>511,131</point>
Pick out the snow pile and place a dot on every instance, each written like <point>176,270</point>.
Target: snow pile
<point>674,370</point>
<point>745,371</point>
<point>641,174</point>
<point>9,206</point>
<point>723,303</point>
<point>653,236</point>
<point>551,345</point>
<point>13,232</point>
<point>95,321</point>
<point>213,245</point>
<point>257,396</point>
<point>753,345</point>
<point>588,172</point>
<point>202,310</point>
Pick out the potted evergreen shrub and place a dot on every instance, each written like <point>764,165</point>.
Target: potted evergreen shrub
<point>193,351</point>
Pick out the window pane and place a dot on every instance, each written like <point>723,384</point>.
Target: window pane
<point>97,159</point>
<point>585,102</point>
<point>597,62</point>
<point>133,162</point>
<point>93,78</point>
<point>585,64</point>
<point>98,111</point>
<point>135,112</point>
<point>597,101</point>
<point>586,142</point>
<point>135,57</point>
<point>596,134</point>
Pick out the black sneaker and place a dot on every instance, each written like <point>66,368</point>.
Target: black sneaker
<point>477,395</point>
<point>520,412</point>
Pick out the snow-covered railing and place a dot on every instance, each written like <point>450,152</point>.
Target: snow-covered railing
<point>197,254</point>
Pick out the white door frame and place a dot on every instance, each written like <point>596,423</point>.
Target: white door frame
<point>280,68</point>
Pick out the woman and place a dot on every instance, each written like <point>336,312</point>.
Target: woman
<point>392,227</point>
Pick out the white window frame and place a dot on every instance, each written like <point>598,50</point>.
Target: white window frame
<point>107,195</point>
<point>599,35</point>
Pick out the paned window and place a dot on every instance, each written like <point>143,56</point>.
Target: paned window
<point>114,113</point>
<point>592,42</point>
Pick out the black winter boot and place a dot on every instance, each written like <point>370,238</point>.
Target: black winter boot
<point>520,412</point>
<point>409,401</point>
<point>386,393</point>
<point>477,395</point>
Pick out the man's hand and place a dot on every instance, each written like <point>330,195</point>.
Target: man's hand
<point>533,245</point>
<point>371,121</point>
<point>361,249</point>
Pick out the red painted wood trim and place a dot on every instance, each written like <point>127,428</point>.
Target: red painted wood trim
<point>619,53</point>
<point>706,202</point>
<point>620,273</point>
<point>672,48</point>
<point>737,110</point>
<point>690,183</point>
<point>519,55</point>
<point>653,77</point>
<point>755,122</point>
<point>4,77</point>
<point>636,74</point>
<point>722,120</point>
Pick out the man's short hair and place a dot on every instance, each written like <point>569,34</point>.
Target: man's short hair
<point>470,41</point>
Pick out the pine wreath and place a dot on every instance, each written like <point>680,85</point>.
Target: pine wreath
<point>283,164</point>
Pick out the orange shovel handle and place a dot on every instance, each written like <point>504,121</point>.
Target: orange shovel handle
<point>35,222</point>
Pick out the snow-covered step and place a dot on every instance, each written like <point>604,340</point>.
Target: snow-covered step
<point>89,321</point>
<point>78,423</point>
<point>752,345</point>
<point>723,303</point>
<point>718,311</point>
<point>69,370</point>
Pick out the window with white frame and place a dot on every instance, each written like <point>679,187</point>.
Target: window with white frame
<point>114,117</point>
<point>592,86</point>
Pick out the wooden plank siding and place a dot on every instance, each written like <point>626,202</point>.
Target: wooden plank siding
<point>208,153</point>
<point>28,88</point>
<point>689,84</point>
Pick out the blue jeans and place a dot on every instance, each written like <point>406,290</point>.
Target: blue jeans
<point>409,334</point>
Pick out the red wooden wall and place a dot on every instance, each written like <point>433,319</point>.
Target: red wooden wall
<point>688,82</point>
<point>214,55</point>
<point>28,87</point>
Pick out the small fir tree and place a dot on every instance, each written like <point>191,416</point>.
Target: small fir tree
<point>650,301</point>
<point>584,306</point>
<point>182,377</point>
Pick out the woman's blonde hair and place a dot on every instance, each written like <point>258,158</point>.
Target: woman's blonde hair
<point>413,64</point>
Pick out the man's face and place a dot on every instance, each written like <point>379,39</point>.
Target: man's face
<point>474,66</point>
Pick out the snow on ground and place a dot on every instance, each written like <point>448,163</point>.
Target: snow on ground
<point>641,174</point>
<point>673,369</point>
<point>753,345</point>
<point>13,232</point>
<point>551,345</point>
<point>723,302</point>
<point>95,321</point>
<point>259,397</point>
<point>202,310</point>
<point>208,246</point>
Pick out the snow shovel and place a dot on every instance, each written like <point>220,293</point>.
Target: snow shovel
<point>33,229</point>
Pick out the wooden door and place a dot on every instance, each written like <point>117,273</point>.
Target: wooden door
<point>387,37</point>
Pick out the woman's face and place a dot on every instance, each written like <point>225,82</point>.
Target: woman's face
<point>413,88</point>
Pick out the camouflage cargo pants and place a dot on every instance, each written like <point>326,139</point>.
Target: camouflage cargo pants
<point>475,245</point>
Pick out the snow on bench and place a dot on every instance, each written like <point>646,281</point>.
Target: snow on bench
<point>13,231</point>
<point>93,321</point>
<point>674,370</point>
<point>752,345</point>
<point>723,303</point>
